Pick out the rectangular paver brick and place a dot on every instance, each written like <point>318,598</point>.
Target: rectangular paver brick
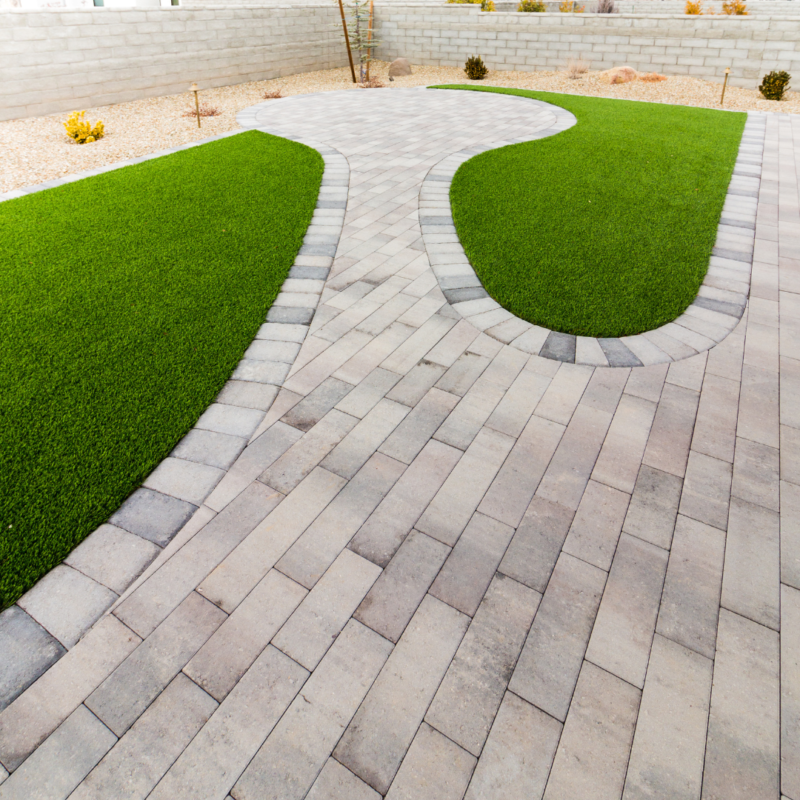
<point>397,593</point>
<point>671,434</point>
<point>626,619</point>
<point>550,662</point>
<point>706,490</point>
<point>435,768</point>
<point>336,782</point>
<point>514,410</point>
<point>387,527</point>
<point>470,694</point>
<point>140,759</point>
<point>236,644</point>
<point>790,534</point>
<point>240,571</point>
<point>533,551</point>
<point>413,386</point>
<point>669,745</point>
<point>597,525</point>
<point>377,738</point>
<point>364,397</point>
<point>512,490</point>
<point>647,382</point>
<point>654,506</point>
<point>451,508</point>
<point>790,691</point>
<point>564,393</point>
<point>62,761</point>
<point>756,474</point>
<point>469,416</point>
<point>321,616</point>
<point>35,714</point>
<point>468,570</point>
<point>289,761</point>
<point>621,455</point>
<point>463,374</point>
<point>759,418</point>
<point>315,550</point>
<point>751,579</point>
<point>518,755</point>
<point>593,752</point>
<point>690,600</point>
<point>218,755</point>
<point>743,746</point>
<point>130,689</point>
<point>715,429</point>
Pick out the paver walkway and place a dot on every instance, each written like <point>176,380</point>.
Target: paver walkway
<point>447,568</point>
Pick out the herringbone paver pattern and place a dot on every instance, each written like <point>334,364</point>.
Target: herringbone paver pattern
<point>451,569</point>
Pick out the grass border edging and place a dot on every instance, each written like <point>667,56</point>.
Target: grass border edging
<point>714,313</point>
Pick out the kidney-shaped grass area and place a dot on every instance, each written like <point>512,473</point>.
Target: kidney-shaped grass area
<point>605,229</point>
<point>126,300</point>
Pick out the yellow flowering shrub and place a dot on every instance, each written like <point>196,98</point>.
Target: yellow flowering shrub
<point>81,130</point>
<point>570,7</point>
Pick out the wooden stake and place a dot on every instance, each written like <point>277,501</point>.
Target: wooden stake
<point>725,83</point>
<point>347,42</point>
<point>369,37</point>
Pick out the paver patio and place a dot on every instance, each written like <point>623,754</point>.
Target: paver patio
<point>446,567</point>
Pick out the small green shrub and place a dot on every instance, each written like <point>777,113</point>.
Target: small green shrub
<point>532,5</point>
<point>775,84</point>
<point>475,68</point>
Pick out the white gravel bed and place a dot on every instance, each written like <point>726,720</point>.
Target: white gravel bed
<point>37,149</point>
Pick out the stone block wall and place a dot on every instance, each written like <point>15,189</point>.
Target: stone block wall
<point>673,45</point>
<point>55,61</point>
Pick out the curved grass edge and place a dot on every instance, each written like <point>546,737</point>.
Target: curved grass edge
<point>578,231</point>
<point>268,294</point>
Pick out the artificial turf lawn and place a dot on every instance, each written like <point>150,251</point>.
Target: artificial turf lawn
<point>126,301</point>
<point>605,229</point>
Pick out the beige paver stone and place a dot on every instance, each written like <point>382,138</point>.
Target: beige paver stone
<point>512,490</point>
<point>647,382</point>
<point>236,644</point>
<point>564,393</point>
<point>385,529</point>
<point>759,405</point>
<point>533,551</point>
<point>790,691</point>
<point>469,416</point>
<point>742,751</point>
<point>435,768</point>
<point>688,372</point>
<point>321,616</point>
<point>725,360</point>
<point>550,662</point>
<point>715,429</point>
<point>140,759</point>
<point>790,534</point>
<point>450,510</point>
<point>36,713</point>
<point>690,600</point>
<point>377,738</point>
<point>289,761</point>
<point>361,400</point>
<point>626,620</point>
<point>470,694</point>
<point>240,571</point>
<point>413,386</point>
<point>756,474</point>
<point>336,782</point>
<point>654,506</point>
<point>466,574</point>
<point>597,525</point>
<point>395,596</point>
<point>514,410</point>
<point>593,752</point>
<point>706,490</point>
<point>751,578</point>
<point>669,744</point>
<point>518,754</point>
<point>790,454</point>
<point>218,755</point>
<point>668,446</point>
<point>605,389</point>
<point>621,455</point>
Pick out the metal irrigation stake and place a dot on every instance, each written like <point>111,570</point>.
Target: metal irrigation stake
<point>193,88</point>
<point>724,84</point>
<point>347,42</point>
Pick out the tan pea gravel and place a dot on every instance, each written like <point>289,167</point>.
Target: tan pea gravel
<point>37,149</point>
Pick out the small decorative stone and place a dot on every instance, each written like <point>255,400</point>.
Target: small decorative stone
<point>399,67</point>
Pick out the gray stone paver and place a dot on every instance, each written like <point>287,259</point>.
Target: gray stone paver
<point>403,429</point>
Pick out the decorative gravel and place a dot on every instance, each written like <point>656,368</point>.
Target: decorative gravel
<point>37,149</point>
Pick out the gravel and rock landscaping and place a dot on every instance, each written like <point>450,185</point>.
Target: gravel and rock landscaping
<point>37,149</point>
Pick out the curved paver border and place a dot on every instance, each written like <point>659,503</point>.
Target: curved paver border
<point>712,315</point>
<point>52,616</point>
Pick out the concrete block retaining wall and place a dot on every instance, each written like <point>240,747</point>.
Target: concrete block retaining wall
<point>57,61</point>
<point>54,61</point>
<point>673,45</point>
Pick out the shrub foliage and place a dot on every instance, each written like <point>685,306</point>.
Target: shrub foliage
<point>775,84</point>
<point>83,131</point>
<point>475,68</point>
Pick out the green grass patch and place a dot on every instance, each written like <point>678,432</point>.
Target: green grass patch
<point>126,301</point>
<point>605,229</point>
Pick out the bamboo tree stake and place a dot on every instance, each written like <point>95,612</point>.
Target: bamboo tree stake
<point>369,37</point>
<point>347,42</point>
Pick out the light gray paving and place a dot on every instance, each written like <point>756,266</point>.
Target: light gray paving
<point>409,455</point>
